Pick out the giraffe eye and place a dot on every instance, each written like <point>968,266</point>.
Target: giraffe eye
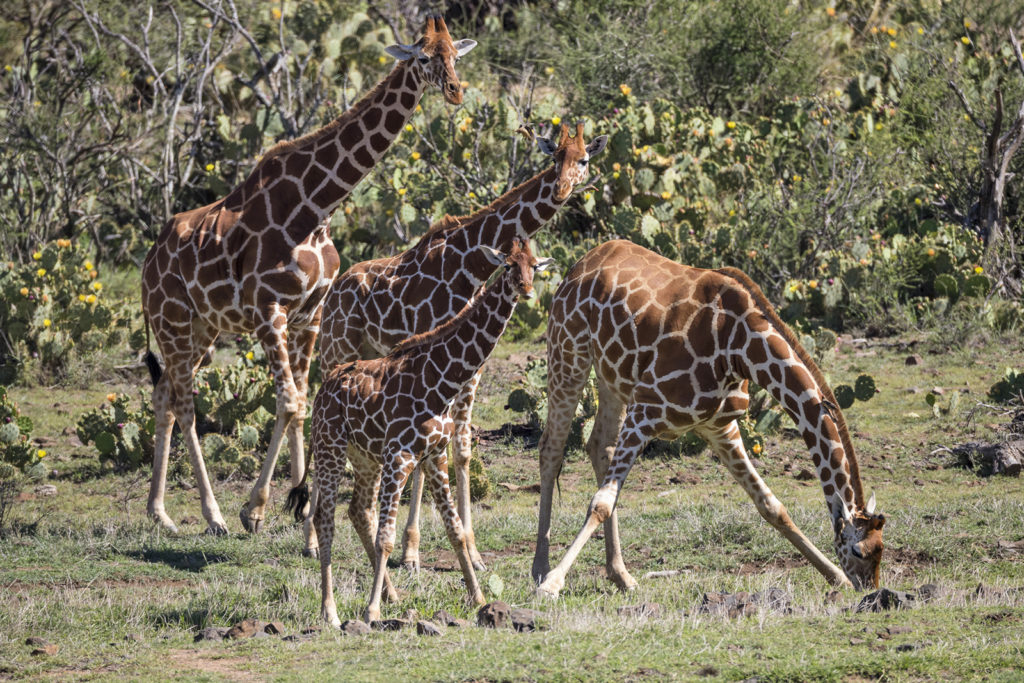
<point>424,60</point>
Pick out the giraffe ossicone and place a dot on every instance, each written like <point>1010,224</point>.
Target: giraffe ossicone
<point>673,349</point>
<point>390,414</point>
<point>379,303</point>
<point>260,260</point>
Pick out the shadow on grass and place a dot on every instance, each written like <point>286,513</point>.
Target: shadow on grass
<point>190,561</point>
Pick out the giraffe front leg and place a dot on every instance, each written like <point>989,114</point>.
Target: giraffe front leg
<point>411,533</point>
<point>728,445</point>
<point>462,450</point>
<point>436,467</point>
<point>272,333</point>
<point>632,439</point>
<point>396,470</point>
<point>601,447</point>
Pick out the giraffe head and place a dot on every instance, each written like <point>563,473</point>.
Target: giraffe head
<point>520,265</point>
<point>859,544</point>
<point>572,158</point>
<point>434,56</point>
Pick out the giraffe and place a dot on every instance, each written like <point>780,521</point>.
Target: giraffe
<point>391,413</point>
<point>261,259</point>
<point>379,303</point>
<point>673,348</point>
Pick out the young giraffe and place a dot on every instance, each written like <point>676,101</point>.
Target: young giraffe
<point>395,412</point>
<point>379,303</point>
<point>261,259</point>
<point>673,348</point>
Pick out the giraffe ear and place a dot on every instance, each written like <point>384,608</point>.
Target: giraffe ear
<point>463,46</point>
<point>493,256</point>
<point>547,146</point>
<point>403,52</point>
<point>596,145</point>
<point>543,264</point>
<point>870,509</point>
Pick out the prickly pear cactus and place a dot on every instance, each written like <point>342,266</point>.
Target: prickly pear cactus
<point>479,482</point>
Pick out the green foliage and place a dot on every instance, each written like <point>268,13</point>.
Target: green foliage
<point>53,307</point>
<point>479,482</point>
<point>862,390</point>
<point>121,433</point>
<point>1009,388</point>
<point>935,402</point>
<point>17,454</point>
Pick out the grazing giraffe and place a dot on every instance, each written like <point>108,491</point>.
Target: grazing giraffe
<point>261,259</point>
<point>673,348</point>
<point>379,303</point>
<point>390,414</point>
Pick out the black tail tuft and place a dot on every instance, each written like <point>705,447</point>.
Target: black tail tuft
<point>297,499</point>
<point>153,364</point>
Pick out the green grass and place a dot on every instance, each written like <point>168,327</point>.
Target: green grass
<point>86,570</point>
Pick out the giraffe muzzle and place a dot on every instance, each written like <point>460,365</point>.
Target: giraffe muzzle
<point>453,92</point>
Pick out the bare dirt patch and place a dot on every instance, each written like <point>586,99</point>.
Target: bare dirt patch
<point>203,660</point>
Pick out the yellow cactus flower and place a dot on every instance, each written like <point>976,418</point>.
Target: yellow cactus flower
<point>752,254</point>
<point>587,196</point>
<point>978,270</point>
<point>250,355</point>
<point>40,454</point>
<point>471,195</point>
<point>36,255</point>
<point>467,155</point>
<point>879,126</point>
<point>813,284</point>
<point>615,175</point>
<point>892,44</point>
<point>891,31</point>
<point>275,12</point>
<point>864,262</point>
<point>91,299</point>
<point>797,177</point>
<point>47,322</point>
<point>97,286</point>
<point>666,195</point>
<point>876,236</point>
<point>931,252</point>
<point>730,125</point>
<point>41,272</point>
<point>348,210</point>
<point>616,166</point>
<point>24,291</point>
<point>93,274</point>
<point>831,11</point>
<point>87,265</point>
<point>382,60</point>
<point>549,70</point>
<point>111,397</point>
<point>415,156</point>
<point>408,128</point>
<point>920,31</point>
<point>401,192</point>
<point>625,89</point>
<point>210,167</point>
<point>81,297</point>
<point>756,448</point>
<point>555,120</point>
<point>965,40</point>
<point>917,200</point>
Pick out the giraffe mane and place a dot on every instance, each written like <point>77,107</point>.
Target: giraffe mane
<point>439,333</point>
<point>449,222</point>
<point>354,112</point>
<point>769,312</point>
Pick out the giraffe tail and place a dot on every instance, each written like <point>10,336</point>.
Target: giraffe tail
<point>297,499</point>
<point>155,371</point>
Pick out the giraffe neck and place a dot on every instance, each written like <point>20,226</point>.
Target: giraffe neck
<point>328,163</point>
<point>459,347</point>
<point>519,213</point>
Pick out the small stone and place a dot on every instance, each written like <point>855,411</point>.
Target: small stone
<point>929,592</point>
<point>49,649</point>
<point>261,634</point>
<point>443,618</point>
<point>36,641</point>
<point>427,628</point>
<point>211,633</point>
<point>857,641</point>
<point>274,628</point>
<point>885,599</point>
<point>938,391</point>
<point>643,610</point>
<point>913,359</point>
<point>354,627</point>
<point>389,624</point>
<point>525,620</point>
<point>804,475</point>
<point>46,490</point>
<point>133,638</point>
<point>906,647</point>
<point>246,628</point>
<point>494,614</point>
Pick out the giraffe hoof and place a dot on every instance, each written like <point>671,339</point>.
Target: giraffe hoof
<point>217,529</point>
<point>250,523</point>
<point>479,565</point>
<point>311,552</point>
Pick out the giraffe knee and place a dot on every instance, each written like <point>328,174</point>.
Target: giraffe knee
<point>602,505</point>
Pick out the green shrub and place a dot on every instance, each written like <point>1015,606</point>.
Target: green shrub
<point>18,456</point>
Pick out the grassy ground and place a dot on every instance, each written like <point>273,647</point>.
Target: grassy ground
<point>86,571</point>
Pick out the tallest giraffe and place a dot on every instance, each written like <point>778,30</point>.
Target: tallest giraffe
<point>260,260</point>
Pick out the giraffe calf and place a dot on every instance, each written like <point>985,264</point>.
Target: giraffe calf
<point>389,414</point>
